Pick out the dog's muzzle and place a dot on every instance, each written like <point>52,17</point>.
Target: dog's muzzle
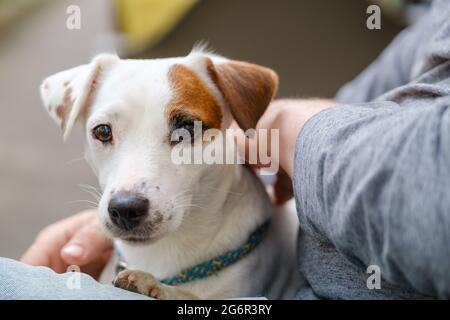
<point>127,210</point>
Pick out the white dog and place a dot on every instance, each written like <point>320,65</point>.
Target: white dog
<point>193,231</point>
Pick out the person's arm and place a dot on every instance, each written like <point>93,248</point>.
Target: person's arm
<point>374,180</point>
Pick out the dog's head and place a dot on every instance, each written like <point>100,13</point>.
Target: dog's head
<point>130,110</point>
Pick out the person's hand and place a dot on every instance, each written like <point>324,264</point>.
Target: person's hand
<point>288,116</point>
<point>78,240</point>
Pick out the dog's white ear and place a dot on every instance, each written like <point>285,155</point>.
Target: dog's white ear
<point>66,94</point>
<point>247,88</point>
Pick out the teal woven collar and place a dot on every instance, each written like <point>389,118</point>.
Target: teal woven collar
<point>214,265</point>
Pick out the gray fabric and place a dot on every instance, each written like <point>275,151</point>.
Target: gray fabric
<point>372,176</point>
<point>22,282</point>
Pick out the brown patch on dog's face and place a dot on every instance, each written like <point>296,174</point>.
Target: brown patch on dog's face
<point>192,98</point>
<point>62,111</point>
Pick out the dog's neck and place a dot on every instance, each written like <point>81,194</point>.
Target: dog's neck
<point>237,204</point>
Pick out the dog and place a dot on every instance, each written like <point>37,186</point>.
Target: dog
<point>186,231</point>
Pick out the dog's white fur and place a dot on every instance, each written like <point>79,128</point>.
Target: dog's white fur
<point>206,209</point>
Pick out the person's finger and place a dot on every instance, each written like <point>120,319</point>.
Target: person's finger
<point>46,247</point>
<point>86,245</point>
<point>95,268</point>
<point>283,189</point>
<point>248,147</point>
<point>36,255</point>
<point>241,140</point>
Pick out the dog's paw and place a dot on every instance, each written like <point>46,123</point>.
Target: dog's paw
<point>140,282</point>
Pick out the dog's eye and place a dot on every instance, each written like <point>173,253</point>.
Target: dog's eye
<point>184,129</point>
<point>187,135</point>
<point>103,133</point>
<point>189,126</point>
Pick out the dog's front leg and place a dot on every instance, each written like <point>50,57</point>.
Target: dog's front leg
<point>144,283</point>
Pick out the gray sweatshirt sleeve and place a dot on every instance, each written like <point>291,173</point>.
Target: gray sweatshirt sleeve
<point>397,64</point>
<point>390,70</point>
<point>374,178</point>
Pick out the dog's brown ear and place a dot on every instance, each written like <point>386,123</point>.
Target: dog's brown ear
<point>66,94</point>
<point>247,88</point>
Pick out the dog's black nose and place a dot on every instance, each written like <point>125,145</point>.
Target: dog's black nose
<point>127,210</point>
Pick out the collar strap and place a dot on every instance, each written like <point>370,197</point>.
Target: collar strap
<point>215,265</point>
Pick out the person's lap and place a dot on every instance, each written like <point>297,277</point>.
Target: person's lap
<point>19,281</point>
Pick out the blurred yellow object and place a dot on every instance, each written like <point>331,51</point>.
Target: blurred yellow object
<point>144,22</point>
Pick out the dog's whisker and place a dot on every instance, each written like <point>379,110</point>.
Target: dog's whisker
<point>95,196</point>
<point>182,192</point>
<point>95,204</point>
<point>91,190</point>
<point>187,201</point>
<point>89,187</point>
<point>73,161</point>
<point>225,191</point>
<point>189,206</point>
<point>189,196</point>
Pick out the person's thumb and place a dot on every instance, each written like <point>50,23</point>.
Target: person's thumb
<point>87,245</point>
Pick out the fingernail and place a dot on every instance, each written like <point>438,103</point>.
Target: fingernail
<point>74,250</point>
